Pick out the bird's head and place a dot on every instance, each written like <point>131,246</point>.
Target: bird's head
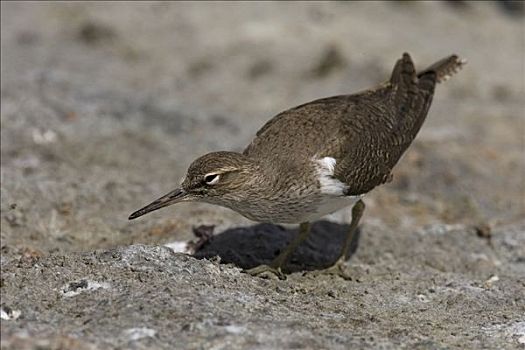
<point>217,177</point>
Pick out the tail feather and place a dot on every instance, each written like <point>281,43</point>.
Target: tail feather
<point>404,73</point>
<point>440,71</point>
<point>405,84</point>
<point>406,94</point>
<point>445,68</point>
<point>412,93</point>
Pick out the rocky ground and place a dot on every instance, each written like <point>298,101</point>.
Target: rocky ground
<point>104,105</point>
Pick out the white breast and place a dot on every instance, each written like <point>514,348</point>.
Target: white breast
<point>328,205</point>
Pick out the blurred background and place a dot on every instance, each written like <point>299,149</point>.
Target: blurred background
<point>104,105</point>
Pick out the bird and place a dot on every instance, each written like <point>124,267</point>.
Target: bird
<point>317,158</point>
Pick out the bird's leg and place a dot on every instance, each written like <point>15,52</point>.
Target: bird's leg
<point>357,212</point>
<point>338,267</point>
<point>276,265</point>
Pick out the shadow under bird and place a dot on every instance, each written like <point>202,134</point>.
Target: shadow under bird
<point>317,158</point>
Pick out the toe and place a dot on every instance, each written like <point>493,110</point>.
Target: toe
<point>337,269</point>
<point>266,271</point>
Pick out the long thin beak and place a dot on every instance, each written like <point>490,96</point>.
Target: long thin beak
<point>173,197</point>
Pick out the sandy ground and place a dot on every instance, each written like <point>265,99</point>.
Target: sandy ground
<point>105,105</point>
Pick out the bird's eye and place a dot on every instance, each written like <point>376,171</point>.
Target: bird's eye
<point>211,179</point>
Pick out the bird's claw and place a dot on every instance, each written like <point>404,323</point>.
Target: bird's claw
<point>266,270</point>
<point>337,269</point>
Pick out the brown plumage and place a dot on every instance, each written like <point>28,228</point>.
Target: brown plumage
<point>318,157</point>
<point>366,132</point>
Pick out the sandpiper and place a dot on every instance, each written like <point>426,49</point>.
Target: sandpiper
<point>317,158</point>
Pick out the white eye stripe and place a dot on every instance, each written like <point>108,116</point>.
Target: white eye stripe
<point>211,179</point>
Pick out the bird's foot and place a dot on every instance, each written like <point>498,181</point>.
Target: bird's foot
<point>266,271</point>
<point>337,269</point>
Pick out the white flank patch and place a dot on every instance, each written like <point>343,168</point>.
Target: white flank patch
<point>329,185</point>
<point>332,196</point>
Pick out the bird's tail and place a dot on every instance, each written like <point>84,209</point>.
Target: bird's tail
<point>413,92</point>
<point>445,68</point>
<point>404,73</point>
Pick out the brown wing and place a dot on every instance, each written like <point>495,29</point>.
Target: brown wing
<point>302,132</point>
<point>385,124</point>
<point>366,132</point>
